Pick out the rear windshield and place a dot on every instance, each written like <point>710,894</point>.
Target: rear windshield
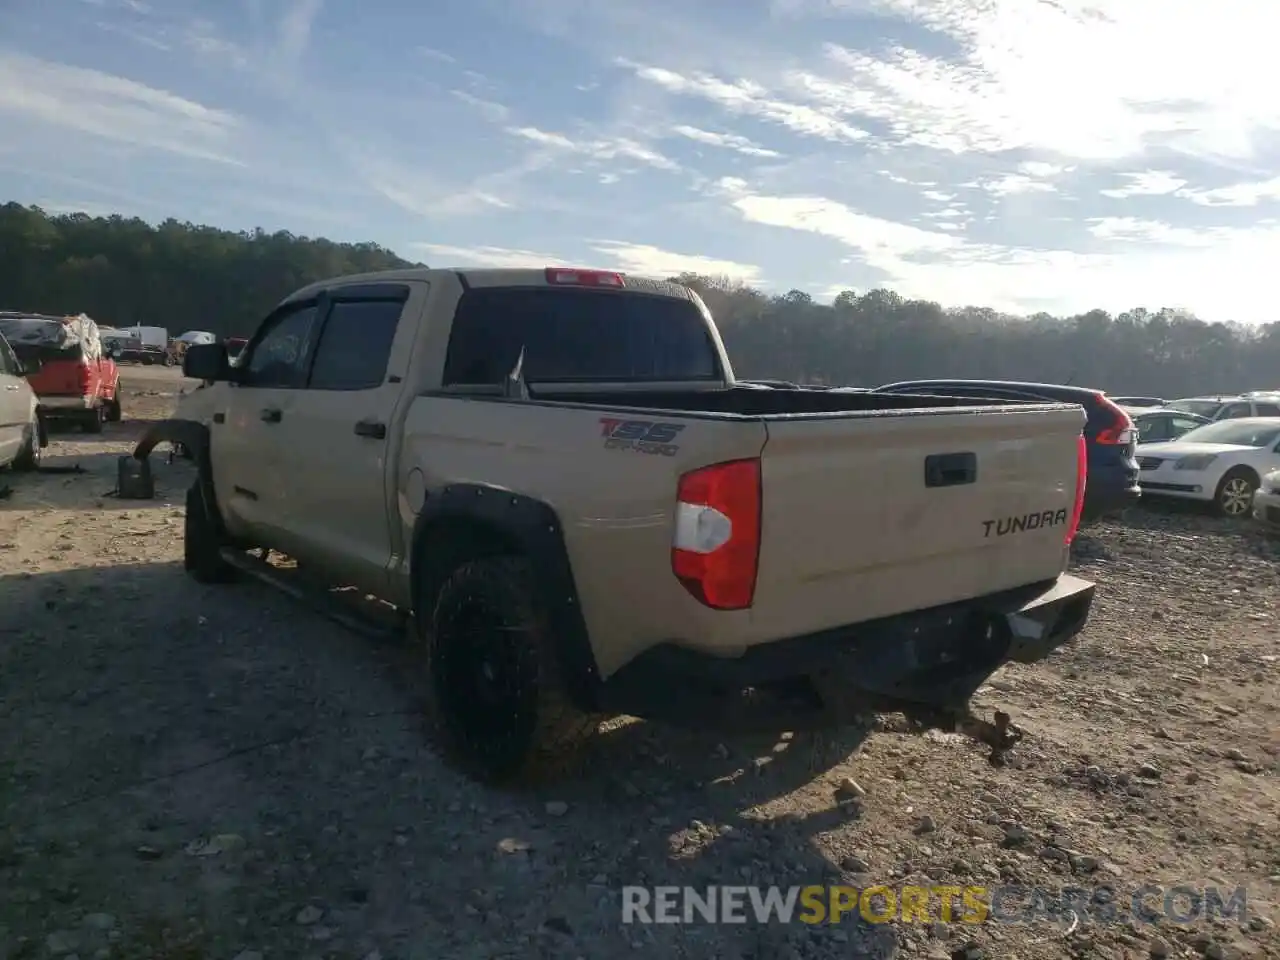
<point>578,335</point>
<point>28,352</point>
<point>1205,408</point>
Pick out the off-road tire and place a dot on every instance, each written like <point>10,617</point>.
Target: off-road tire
<point>202,544</point>
<point>1231,499</point>
<point>30,455</point>
<point>488,626</point>
<point>92,421</point>
<point>111,411</point>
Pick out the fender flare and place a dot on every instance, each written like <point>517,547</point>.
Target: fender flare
<point>534,528</point>
<point>193,435</point>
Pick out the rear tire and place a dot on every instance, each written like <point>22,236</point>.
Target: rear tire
<point>92,422</point>
<point>498,704</point>
<point>1234,496</point>
<point>202,544</point>
<point>30,455</point>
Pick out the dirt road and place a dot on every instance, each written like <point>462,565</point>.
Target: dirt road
<point>193,772</point>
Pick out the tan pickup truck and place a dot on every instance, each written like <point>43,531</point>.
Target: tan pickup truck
<point>556,472</point>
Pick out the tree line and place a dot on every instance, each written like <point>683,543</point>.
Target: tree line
<point>182,276</point>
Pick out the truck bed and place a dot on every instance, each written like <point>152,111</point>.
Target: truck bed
<point>854,523</point>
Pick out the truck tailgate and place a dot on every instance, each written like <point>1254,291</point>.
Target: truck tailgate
<point>872,516</point>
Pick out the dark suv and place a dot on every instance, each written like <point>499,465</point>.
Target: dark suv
<point>1112,481</point>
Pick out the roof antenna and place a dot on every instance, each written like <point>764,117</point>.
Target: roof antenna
<point>514,387</point>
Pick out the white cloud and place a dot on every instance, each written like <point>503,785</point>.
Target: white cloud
<point>618,148</point>
<point>1235,195</point>
<point>1148,183</point>
<point>437,55</point>
<point>635,258</point>
<point>1219,273</point>
<point>1013,183</point>
<point>747,98</point>
<point>419,192</point>
<point>1088,80</point>
<point>654,261</point>
<point>729,141</point>
<point>295,30</point>
<point>499,257</point>
<point>489,109</point>
<point>114,108</point>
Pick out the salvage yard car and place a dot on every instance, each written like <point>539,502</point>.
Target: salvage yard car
<point>1221,463</point>
<point>75,379</point>
<point>22,435</point>
<point>557,474</point>
<point>1266,502</point>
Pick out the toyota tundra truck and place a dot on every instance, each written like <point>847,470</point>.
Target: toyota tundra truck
<point>556,476</point>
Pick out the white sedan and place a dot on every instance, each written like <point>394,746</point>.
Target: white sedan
<point>1220,463</point>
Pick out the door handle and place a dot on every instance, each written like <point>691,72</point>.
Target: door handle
<point>12,386</point>
<point>950,469</point>
<point>368,428</point>
<point>270,415</point>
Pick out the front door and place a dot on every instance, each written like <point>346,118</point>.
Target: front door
<point>342,436</point>
<point>247,429</point>
<point>15,405</point>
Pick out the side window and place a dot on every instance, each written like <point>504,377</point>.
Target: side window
<point>1268,410</point>
<point>1153,429</point>
<point>279,357</point>
<point>1181,425</point>
<point>355,345</point>
<point>1234,410</point>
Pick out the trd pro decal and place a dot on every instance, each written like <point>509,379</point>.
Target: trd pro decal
<point>642,436</point>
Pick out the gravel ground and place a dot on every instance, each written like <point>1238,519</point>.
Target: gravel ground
<point>193,772</point>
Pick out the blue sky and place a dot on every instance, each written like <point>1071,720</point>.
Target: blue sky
<point>1019,154</point>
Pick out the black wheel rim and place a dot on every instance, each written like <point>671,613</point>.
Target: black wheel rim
<point>485,680</point>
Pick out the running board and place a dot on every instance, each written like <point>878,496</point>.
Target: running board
<point>316,599</point>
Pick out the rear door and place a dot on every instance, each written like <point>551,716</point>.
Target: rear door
<point>246,429</point>
<point>340,434</point>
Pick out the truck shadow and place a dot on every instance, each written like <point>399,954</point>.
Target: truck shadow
<point>144,711</point>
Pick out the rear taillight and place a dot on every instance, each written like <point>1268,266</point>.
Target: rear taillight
<point>715,550</point>
<point>1120,431</point>
<point>85,378</point>
<point>1082,475</point>
<point>568,276</point>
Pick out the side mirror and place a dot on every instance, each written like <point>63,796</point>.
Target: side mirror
<point>206,361</point>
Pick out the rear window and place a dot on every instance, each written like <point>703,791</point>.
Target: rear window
<point>28,352</point>
<point>1205,408</point>
<point>577,335</point>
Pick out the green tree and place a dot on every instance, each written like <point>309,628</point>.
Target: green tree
<point>179,276</point>
<point>187,277</point>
